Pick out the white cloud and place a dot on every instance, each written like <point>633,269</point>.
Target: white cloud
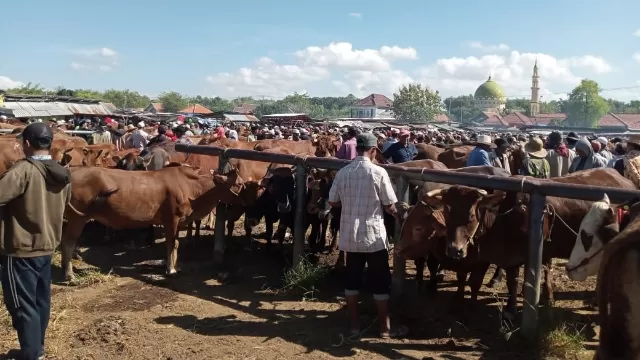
<point>339,67</point>
<point>487,47</point>
<point>636,33</point>
<point>355,15</point>
<point>103,59</point>
<point>267,78</point>
<point>453,76</point>
<point>342,55</point>
<point>78,66</point>
<point>8,83</point>
<point>636,56</point>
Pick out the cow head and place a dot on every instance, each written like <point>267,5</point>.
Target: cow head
<point>280,183</point>
<point>97,158</point>
<point>421,225</point>
<point>129,162</point>
<point>462,213</point>
<point>232,179</point>
<point>319,183</point>
<point>598,227</point>
<point>325,146</point>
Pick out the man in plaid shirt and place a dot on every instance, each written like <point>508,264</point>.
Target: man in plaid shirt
<point>363,191</point>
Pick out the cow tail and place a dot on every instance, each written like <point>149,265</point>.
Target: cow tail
<point>96,204</point>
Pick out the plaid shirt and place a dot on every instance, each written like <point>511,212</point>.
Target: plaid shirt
<point>362,188</point>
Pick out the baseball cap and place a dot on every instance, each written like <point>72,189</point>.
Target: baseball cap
<point>37,133</point>
<point>366,140</point>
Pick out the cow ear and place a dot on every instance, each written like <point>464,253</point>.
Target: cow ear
<point>611,227</point>
<point>435,200</point>
<point>492,200</point>
<point>220,179</point>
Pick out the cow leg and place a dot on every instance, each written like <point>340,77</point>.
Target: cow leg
<point>462,281</point>
<point>475,280</point>
<point>419,272</point>
<point>433,265</point>
<point>171,241</point>
<point>335,228</point>
<point>496,279</point>
<point>313,235</point>
<point>151,236</point>
<point>268,224</point>
<point>230,226</point>
<point>71,232</point>
<point>324,223</point>
<point>512,274</point>
<point>547,289</point>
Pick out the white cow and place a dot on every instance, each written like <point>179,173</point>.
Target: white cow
<point>598,227</point>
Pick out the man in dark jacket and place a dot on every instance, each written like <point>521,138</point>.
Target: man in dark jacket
<point>35,192</point>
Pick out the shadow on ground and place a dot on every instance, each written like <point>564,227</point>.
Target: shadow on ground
<point>253,274</point>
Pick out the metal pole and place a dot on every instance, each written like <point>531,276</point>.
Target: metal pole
<point>220,228</point>
<point>532,269</point>
<point>301,208</point>
<point>399,263</point>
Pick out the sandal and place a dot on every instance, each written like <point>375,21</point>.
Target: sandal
<point>399,332</point>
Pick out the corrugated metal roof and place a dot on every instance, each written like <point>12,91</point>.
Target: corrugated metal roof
<point>240,117</point>
<point>24,109</point>
<point>86,109</point>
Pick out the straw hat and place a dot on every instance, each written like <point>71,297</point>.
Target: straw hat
<point>535,148</point>
<point>130,127</point>
<point>634,139</point>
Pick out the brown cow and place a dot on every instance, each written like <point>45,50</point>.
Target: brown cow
<point>10,153</point>
<point>81,156</point>
<point>426,151</point>
<point>498,222</point>
<point>121,200</point>
<point>455,158</point>
<point>618,292</point>
<point>423,233</point>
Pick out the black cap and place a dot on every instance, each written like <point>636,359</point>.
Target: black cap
<point>572,136</point>
<point>37,133</point>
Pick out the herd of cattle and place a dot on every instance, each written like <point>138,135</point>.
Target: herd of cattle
<point>456,228</point>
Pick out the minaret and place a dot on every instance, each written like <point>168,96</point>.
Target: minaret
<point>534,105</point>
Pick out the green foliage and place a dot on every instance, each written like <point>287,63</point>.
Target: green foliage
<point>461,108</point>
<point>415,104</point>
<point>306,277</point>
<point>585,106</point>
<point>172,101</point>
<point>556,122</point>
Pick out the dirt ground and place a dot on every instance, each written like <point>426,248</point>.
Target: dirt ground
<point>136,313</point>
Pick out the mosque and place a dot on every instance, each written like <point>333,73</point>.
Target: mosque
<point>491,100</point>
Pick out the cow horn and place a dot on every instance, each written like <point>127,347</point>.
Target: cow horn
<point>483,192</point>
<point>435,192</point>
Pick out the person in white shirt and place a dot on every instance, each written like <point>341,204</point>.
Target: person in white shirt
<point>233,135</point>
<point>138,138</point>
<point>363,191</point>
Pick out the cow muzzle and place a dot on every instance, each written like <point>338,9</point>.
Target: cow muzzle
<point>456,252</point>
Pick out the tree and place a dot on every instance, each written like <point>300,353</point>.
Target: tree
<point>585,106</point>
<point>556,122</point>
<point>461,108</point>
<point>125,98</point>
<point>172,101</point>
<point>414,103</point>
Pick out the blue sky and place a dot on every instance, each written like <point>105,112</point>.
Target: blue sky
<point>271,48</point>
